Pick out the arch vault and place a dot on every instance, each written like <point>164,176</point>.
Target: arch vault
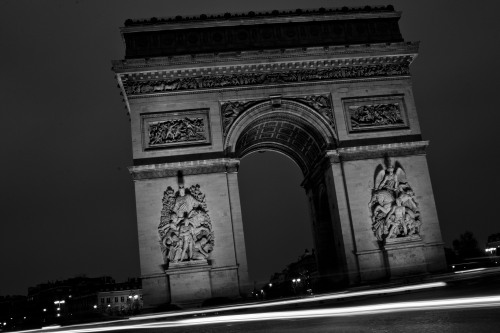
<point>329,88</point>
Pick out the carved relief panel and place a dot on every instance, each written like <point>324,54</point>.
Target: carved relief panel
<point>172,129</point>
<point>393,207</point>
<point>185,228</point>
<point>375,113</point>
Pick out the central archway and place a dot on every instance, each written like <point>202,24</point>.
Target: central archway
<point>277,219</point>
<point>303,134</point>
<point>285,126</point>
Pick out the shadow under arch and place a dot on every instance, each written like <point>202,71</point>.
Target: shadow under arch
<point>290,128</point>
<point>276,213</point>
<point>304,135</point>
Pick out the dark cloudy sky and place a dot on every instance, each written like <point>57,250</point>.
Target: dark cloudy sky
<point>67,201</point>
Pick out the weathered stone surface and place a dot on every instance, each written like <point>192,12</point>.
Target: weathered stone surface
<point>406,258</point>
<point>190,285</point>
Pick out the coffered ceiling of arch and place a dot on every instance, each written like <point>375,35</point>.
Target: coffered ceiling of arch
<point>286,133</point>
<point>321,104</point>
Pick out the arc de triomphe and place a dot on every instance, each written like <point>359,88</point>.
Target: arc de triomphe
<point>330,88</point>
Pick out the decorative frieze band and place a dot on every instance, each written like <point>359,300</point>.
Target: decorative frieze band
<point>165,85</point>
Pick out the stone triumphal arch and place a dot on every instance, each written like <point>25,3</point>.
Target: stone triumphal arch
<point>330,88</point>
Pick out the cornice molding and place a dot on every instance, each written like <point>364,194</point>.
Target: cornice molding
<point>362,152</point>
<point>160,38</point>
<point>238,18</point>
<point>272,55</point>
<point>153,171</point>
<point>377,151</point>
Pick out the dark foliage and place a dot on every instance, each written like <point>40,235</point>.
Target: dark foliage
<point>466,246</point>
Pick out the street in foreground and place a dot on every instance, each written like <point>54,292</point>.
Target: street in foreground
<point>459,305</point>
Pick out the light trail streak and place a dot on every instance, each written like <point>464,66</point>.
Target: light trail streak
<point>341,295</point>
<point>445,304</point>
<point>470,270</point>
<point>325,297</point>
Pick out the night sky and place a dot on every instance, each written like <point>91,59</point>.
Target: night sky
<point>67,199</point>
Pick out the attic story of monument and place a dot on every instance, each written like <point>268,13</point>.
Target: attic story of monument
<point>331,89</point>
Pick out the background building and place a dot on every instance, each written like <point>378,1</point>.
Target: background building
<point>73,300</point>
<point>121,298</point>
<point>493,245</point>
<point>299,277</point>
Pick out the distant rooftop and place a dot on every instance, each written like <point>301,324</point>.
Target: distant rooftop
<point>252,15</point>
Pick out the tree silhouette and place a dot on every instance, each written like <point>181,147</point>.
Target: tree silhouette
<point>466,246</point>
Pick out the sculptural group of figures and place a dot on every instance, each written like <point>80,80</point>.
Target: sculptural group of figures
<point>219,81</point>
<point>185,228</point>
<point>375,115</point>
<point>395,212</point>
<point>176,130</point>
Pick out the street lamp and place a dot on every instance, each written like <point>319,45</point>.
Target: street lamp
<point>133,301</point>
<point>294,284</point>
<point>58,303</point>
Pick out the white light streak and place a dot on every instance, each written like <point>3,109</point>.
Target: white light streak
<point>46,328</point>
<point>456,303</point>
<point>341,295</point>
<point>324,297</point>
<point>470,270</point>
